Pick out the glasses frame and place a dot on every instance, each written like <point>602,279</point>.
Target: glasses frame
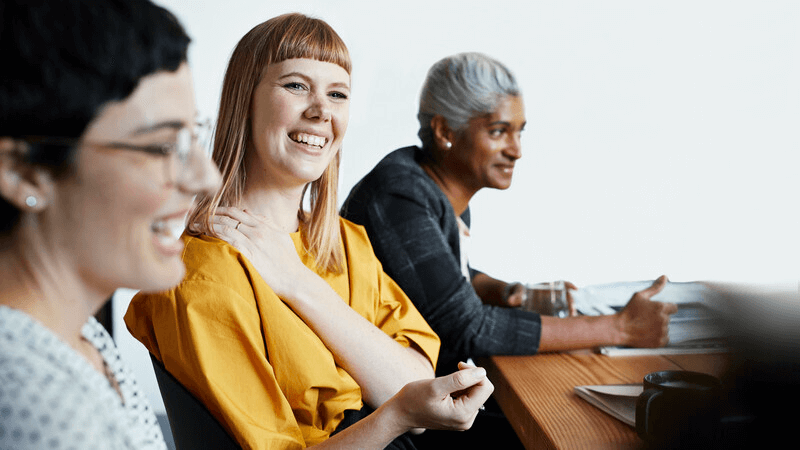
<point>186,139</point>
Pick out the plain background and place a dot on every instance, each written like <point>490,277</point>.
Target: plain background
<point>662,137</point>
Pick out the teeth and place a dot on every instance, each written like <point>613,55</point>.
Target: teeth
<point>168,231</point>
<point>310,139</point>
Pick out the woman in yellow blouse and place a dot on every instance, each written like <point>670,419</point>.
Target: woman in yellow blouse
<point>286,326</point>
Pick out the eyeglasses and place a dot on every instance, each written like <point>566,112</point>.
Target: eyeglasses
<point>178,154</point>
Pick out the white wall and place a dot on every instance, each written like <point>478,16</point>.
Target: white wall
<point>662,136</point>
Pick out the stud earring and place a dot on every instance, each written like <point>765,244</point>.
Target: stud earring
<point>31,201</point>
<point>448,144</point>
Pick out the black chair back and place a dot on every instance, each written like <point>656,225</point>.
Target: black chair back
<point>193,426</point>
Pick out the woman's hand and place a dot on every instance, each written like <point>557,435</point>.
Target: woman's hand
<point>380,365</point>
<point>643,322</point>
<point>271,251</point>
<point>515,294</point>
<point>446,403</point>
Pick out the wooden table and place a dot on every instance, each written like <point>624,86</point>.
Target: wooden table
<point>536,394</point>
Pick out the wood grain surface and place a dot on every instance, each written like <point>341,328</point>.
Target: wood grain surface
<point>536,394</point>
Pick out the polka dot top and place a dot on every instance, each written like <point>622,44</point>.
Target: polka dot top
<point>52,397</point>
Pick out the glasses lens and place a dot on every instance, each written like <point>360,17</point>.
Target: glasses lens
<point>203,134</point>
<point>185,143</point>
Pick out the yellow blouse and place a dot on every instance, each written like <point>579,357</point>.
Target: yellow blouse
<point>265,375</point>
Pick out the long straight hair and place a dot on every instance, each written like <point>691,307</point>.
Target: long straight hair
<point>278,39</point>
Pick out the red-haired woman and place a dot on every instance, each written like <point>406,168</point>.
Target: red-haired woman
<point>286,325</point>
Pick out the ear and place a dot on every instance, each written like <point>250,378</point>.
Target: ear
<point>27,187</point>
<point>443,136</point>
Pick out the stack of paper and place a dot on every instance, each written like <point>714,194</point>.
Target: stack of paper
<point>693,329</point>
<point>617,400</point>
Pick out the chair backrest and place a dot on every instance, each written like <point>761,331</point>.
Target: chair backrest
<point>193,426</point>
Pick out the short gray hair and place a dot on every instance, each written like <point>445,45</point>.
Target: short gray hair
<point>461,87</point>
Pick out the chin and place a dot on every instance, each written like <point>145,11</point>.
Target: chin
<point>169,276</point>
<point>501,185</point>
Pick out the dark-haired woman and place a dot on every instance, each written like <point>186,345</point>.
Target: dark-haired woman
<point>98,166</point>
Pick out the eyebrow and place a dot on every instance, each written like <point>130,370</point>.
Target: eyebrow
<point>307,78</point>
<point>170,124</point>
<point>504,123</point>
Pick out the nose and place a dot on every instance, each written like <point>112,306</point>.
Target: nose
<point>200,174</point>
<point>514,148</point>
<point>318,109</point>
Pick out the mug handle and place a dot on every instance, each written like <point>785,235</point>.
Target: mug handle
<point>643,425</point>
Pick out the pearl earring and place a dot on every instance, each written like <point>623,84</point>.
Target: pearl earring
<point>31,201</point>
<point>448,144</point>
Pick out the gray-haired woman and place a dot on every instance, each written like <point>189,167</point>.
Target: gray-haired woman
<point>415,207</point>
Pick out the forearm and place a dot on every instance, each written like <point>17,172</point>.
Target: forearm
<point>445,403</point>
<point>490,290</point>
<point>579,332</point>
<point>375,431</point>
<point>379,364</point>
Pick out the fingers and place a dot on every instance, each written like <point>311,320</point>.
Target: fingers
<point>654,289</point>
<point>670,308</point>
<point>224,225</point>
<point>465,365</point>
<point>517,298</point>
<point>465,378</point>
<point>474,388</point>
<point>238,215</point>
<point>573,311</point>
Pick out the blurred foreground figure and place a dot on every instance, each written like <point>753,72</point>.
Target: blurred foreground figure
<point>763,382</point>
<point>99,163</point>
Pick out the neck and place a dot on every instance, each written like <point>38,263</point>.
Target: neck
<point>278,206</point>
<point>265,195</point>
<point>456,192</point>
<point>46,286</point>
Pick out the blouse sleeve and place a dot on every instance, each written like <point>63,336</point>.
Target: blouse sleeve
<point>406,231</point>
<point>387,306</point>
<point>214,347</point>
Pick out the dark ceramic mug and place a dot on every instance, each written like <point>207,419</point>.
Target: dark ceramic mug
<point>679,407</point>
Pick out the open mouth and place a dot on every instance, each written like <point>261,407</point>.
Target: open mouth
<point>309,139</point>
<point>506,168</point>
<point>168,231</point>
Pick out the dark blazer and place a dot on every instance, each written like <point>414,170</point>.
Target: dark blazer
<point>414,232</point>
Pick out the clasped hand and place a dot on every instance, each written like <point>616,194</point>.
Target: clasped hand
<point>446,403</point>
<point>270,250</point>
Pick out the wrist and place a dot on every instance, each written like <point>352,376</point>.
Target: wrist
<point>389,418</point>
<point>617,334</point>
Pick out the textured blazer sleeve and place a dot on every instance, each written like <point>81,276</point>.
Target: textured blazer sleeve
<point>405,225</point>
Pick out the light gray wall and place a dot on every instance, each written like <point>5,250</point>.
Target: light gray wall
<point>662,136</point>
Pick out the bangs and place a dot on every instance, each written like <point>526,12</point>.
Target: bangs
<point>305,37</point>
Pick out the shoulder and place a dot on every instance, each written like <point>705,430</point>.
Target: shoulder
<point>214,269</point>
<point>398,177</point>
<point>398,171</point>
<point>354,236</point>
<point>203,251</point>
<point>210,260</point>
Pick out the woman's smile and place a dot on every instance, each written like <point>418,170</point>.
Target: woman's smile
<point>309,140</point>
<point>300,112</point>
<point>167,233</point>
